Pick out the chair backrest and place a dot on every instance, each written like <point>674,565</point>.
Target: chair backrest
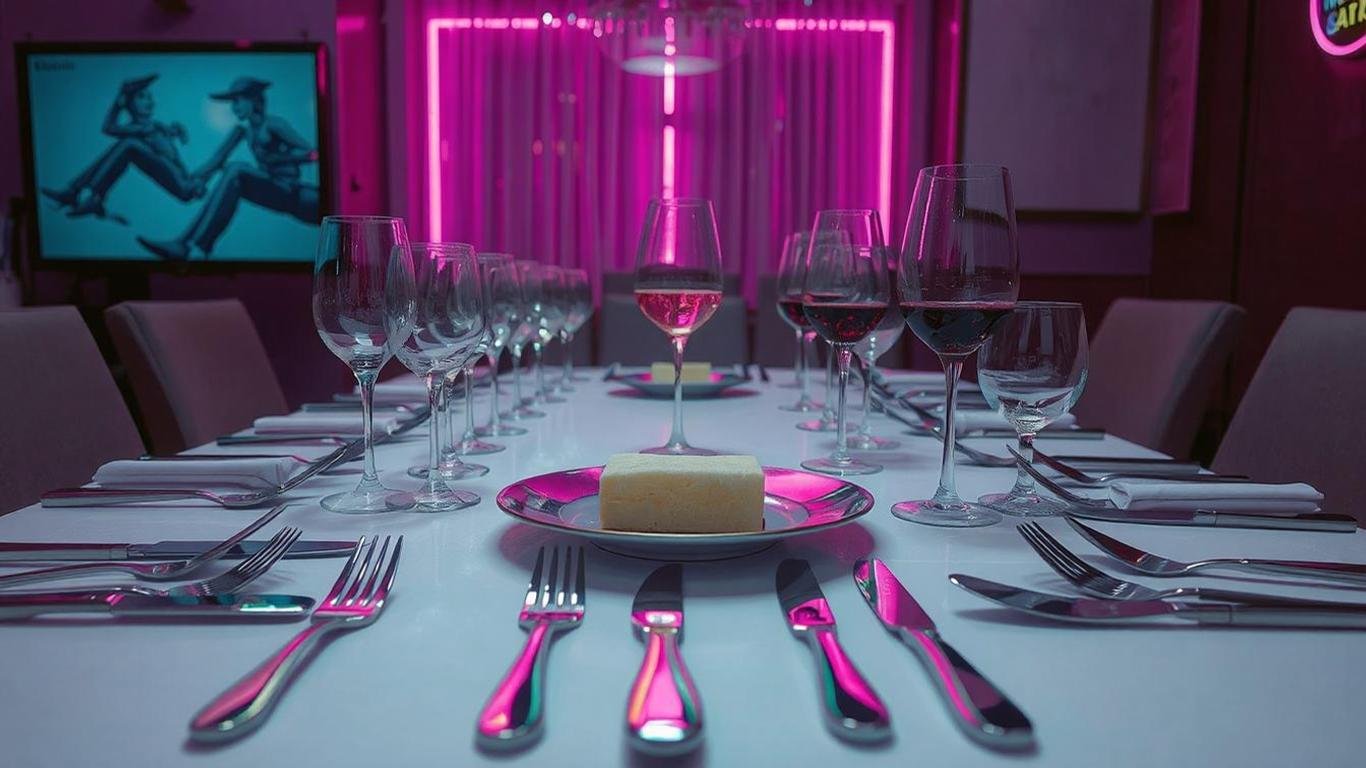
<point>197,369</point>
<point>1154,367</point>
<point>625,336</point>
<point>63,414</point>
<point>774,340</point>
<point>1301,419</point>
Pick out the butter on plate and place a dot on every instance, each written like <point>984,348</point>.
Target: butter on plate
<point>681,494</point>
<point>663,373</point>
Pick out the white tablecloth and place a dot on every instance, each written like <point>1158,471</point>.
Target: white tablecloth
<point>406,690</point>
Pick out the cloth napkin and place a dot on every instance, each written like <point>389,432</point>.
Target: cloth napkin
<point>322,423</point>
<point>1287,498</point>
<point>965,421</point>
<point>207,474</point>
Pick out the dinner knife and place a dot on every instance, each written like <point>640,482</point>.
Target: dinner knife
<point>25,551</point>
<point>852,708</point>
<point>663,710</point>
<point>1208,518</point>
<point>1292,613</point>
<point>229,606</point>
<point>981,710</point>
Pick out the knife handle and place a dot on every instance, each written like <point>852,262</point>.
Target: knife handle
<point>94,497</point>
<point>1287,616</point>
<point>1317,521</point>
<point>27,606</point>
<point>852,708</point>
<point>24,551</point>
<point>663,712</point>
<point>59,572</point>
<point>979,708</point>
<point>514,713</point>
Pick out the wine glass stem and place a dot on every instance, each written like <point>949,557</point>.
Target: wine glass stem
<point>1024,484</point>
<point>494,354</point>
<point>516,377</point>
<point>437,401</point>
<point>366,380</point>
<point>676,439</point>
<point>567,338</point>
<point>828,413</point>
<point>799,367</point>
<point>448,452</point>
<point>948,489</point>
<point>841,454</point>
<point>469,404</point>
<point>864,428</point>
<point>539,384</point>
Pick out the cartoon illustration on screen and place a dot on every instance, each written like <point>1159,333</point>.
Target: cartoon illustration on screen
<point>273,183</point>
<point>139,141</point>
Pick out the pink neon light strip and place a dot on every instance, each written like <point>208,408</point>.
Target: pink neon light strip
<point>668,163</point>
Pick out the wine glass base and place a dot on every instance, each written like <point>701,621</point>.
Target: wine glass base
<point>445,500</point>
<point>520,413</point>
<point>930,512</point>
<point>679,450</point>
<point>870,443</point>
<point>550,399</point>
<point>502,430</point>
<point>803,407</point>
<point>847,468</point>
<point>451,471</point>
<point>1027,505</point>
<point>368,502</point>
<point>477,448</point>
<point>819,425</point>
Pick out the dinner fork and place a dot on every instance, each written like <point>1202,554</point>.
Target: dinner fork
<point>1091,580</point>
<point>1078,476</point>
<point>1156,565</point>
<point>514,713</point>
<point>352,604</point>
<point>166,571</point>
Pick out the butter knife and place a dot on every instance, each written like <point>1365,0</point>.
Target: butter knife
<point>663,710</point>
<point>981,710</point>
<point>35,551</point>
<point>246,607</point>
<point>852,708</point>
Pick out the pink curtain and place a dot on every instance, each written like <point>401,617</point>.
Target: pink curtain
<point>548,150</point>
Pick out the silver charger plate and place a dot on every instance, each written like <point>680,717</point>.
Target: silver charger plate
<point>646,385</point>
<point>795,503</point>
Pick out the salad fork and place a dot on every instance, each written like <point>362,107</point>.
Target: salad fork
<point>167,571</point>
<point>1076,475</point>
<point>514,713</point>
<point>352,604</point>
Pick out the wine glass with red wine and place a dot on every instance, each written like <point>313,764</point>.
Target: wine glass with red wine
<point>844,298</point>
<point>678,286</point>
<point>959,277</point>
<point>791,275</point>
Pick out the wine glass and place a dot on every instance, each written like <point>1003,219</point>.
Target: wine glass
<point>1033,370</point>
<point>883,338</point>
<point>578,298</point>
<point>546,291</point>
<point>501,295</point>
<point>349,275</point>
<point>435,303</point>
<point>522,330</point>
<point>959,278</point>
<point>469,443</point>
<point>678,286</point>
<point>827,421</point>
<point>791,274</point>
<point>844,297</point>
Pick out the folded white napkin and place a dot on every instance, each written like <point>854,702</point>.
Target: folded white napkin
<point>322,423</point>
<point>207,474</point>
<point>406,388</point>
<point>965,421</point>
<point>1289,498</point>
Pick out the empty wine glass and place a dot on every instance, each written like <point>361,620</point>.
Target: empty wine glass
<point>959,277</point>
<point>791,274</point>
<point>522,331</point>
<point>883,337</point>
<point>349,276</point>
<point>551,313</point>
<point>578,297</point>
<point>502,297</point>
<point>1032,370</point>
<point>435,303</point>
<point>678,286</point>
<point>845,296</point>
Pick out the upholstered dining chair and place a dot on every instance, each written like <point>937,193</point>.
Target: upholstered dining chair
<point>1154,367</point>
<point>1302,419</point>
<point>63,414</point>
<point>625,335</point>
<point>197,369</point>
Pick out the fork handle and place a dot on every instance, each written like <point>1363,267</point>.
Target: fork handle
<point>1350,572</point>
<point>22,606</point>
<point>243,707</point>
<point>663,711</point>
<point>514,713</point>
<point>59,572</point>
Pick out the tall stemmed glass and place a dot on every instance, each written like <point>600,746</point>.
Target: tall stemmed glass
<point>578,299</point>
<point>469,443</point>
<point>886,334</point>
<point>959,278</point>
<point>1033,370</point>
<point>791,274</point>
<point>522,331</point>
<point>434,297</point>
<point>678,286</point>
<point>845,296</point>
<point>503,299</point>
<point>349,275</point>
<point>545,292</point>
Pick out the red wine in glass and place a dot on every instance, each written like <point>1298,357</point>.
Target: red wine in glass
<point>790,309</point>
<point>678,311</point>
<point>954,328</point>
<point>844,322</point>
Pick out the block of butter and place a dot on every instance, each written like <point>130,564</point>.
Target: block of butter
<point>663,373</point>
<point>682,494</point>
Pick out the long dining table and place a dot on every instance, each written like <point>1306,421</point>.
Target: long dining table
<point>84,691</point>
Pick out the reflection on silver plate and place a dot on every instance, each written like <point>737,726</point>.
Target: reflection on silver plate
<point>646,385</point>
<point>795,503</point>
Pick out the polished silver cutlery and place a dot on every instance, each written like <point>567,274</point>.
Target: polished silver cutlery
<point>222,606</point>
<point>933,423</point>
<point>1098,509</point>
<point>176,570</point>
<point>50,551</point>
<point>852,708</point>
<point>1156,565</point>
<point>1284,614</point>
<point>663,710</point>
<point>1081,477</point>
<point>514,714</point>
<point>980,458</point>
<point>356,600</point>
<point>980,709</point>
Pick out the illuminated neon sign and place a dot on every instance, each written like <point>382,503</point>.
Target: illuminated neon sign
<point>1339,25</point>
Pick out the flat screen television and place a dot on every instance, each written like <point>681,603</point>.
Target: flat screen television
<point>175,153</point>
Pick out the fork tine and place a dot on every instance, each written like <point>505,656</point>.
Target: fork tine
<point>234,580</point>
<point>548,593</point>
<point>369,591</point>
<point>533,588</point>
<point>580,586</point>
<point>1067,554</point>
<point>388,580</point>
<point>350,596</point>
<point>566,591</point>
<point>345,575</point>
<point>263,555</point>
<point>1044,553</point>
